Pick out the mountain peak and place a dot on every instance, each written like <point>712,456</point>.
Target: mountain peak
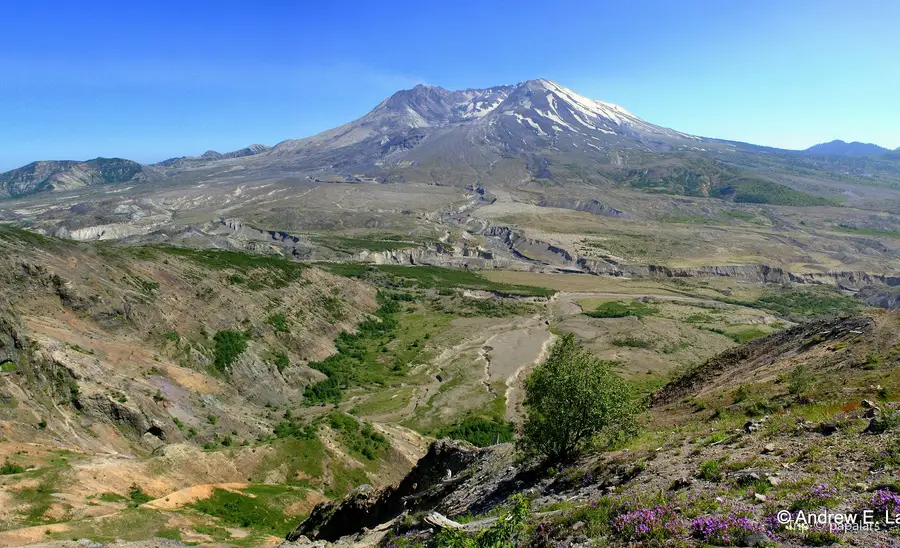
<point>843,148</point>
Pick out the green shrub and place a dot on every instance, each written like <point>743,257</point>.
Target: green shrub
<point>229,345</point>
<point>281,361</point>
<point>10,468</point>
<point>807,304</point>
<point>137,496</point>
<point>799,380</point>
<point>570,398</point>
<point>357,360</point>
<point>278,323</point>
<point>711,470</point>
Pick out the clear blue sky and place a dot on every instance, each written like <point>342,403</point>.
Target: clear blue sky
<point>149,80</point>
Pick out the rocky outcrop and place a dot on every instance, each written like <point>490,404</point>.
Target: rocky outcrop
<point>434,476</point>
<point>594,207</point>
<point>762,274</point>
<point>882,297</point>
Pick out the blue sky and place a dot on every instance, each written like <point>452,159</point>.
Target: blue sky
<point>151,80</point>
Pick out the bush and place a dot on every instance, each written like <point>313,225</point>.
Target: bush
<point>711,470</point>
<point>137,495</point>
<point>278,322</point>
<point>571,398</point>
<point>9,468</point>
<point>229,346</point>
<point>799,380</point>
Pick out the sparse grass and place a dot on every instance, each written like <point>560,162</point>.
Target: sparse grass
<point>39,498</point>
<point>266,270</point>
<point>244,511</point>
<point>131,524</point>
<point>300,455</point>
<point>746,335</point>
<point>711,470</point>
<point>382,401</point>
<point>631,342</point>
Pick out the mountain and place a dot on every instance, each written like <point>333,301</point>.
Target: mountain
<point>432,122</point>
<point>534,131</point>
<point>67,175</point>
<point>843,148</point>
<point>212,156</point>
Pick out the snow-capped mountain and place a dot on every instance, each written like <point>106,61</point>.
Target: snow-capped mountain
<point>429,121</point>
<point>536,130</point>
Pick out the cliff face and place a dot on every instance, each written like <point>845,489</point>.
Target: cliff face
<point>851,280</point>
<point>429,482</point>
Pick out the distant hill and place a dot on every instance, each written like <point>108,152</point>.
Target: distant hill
<point>212,156</point>
<point>843,148</point>
<point>68,174</point>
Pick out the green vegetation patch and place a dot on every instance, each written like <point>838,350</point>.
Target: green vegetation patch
<point>434,277</point>
<point>278,322</point>
<point>229,345</point>
<point>618,309</point>
<point>355,244</point>
<point>760,191</point>
<point>245,511</point>
<point>869,231</point>
<point>479,431</point>
<point>10,468</point>
<point>264,270</point>
<point>359,437</point>
<point>300,453</point>
<point>131,524</point>
<point>362,357</point>
<point>806,304</point>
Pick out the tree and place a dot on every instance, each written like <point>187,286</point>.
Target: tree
<point>569,399</point>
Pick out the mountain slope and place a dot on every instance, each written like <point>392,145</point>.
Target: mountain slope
<point>536,132</point>
<point>843,148</point>
<point>212,156</point>
<point>532,115</point>
<point>67,175</point>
